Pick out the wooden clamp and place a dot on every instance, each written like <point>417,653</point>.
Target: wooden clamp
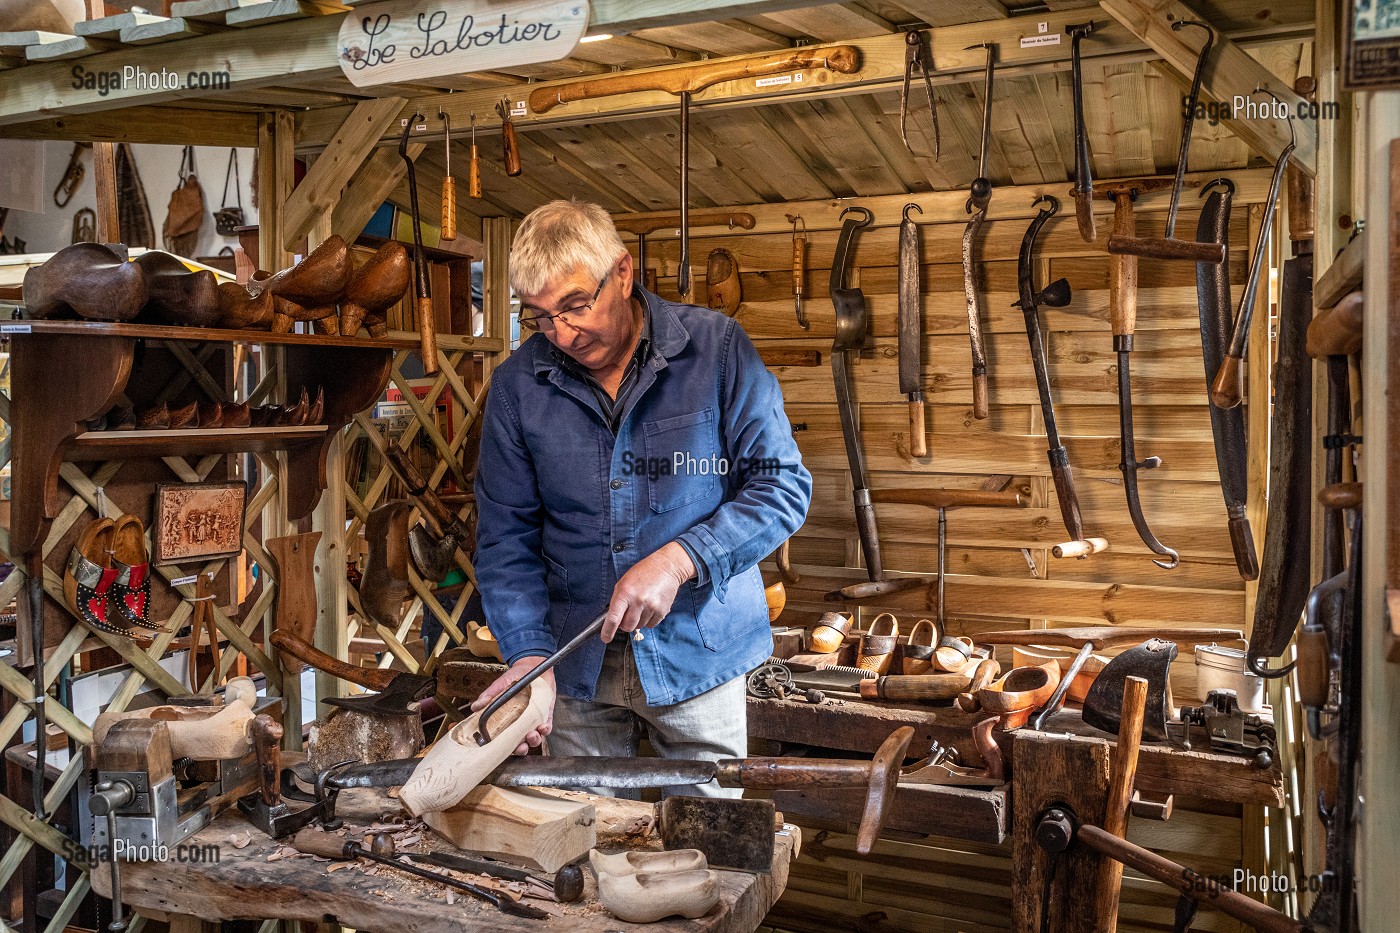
<point>683,79</point>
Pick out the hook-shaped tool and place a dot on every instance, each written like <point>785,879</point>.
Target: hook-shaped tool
<point>918,56</point>
<point>799,267</point>
<point>482,735</point>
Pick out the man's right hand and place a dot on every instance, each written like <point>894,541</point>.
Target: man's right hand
<point>498,686</point>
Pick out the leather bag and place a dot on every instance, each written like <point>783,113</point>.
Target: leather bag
<point>228,219</point>
<point>185,214</point>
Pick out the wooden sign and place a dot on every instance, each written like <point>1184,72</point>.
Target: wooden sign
<point>1371,45</point>
<point>198,521</point>
<point>413,40</point>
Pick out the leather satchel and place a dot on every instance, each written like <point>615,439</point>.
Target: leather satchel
<point>228,219</point>
<point>185,214</point>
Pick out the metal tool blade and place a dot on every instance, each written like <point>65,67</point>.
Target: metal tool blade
<point>550,771</point>
<point>910,322</point>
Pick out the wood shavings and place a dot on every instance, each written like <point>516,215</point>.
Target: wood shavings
<point>393,793</point>
<point>387,827</point>
<point>240,841</point>
<point>640,828</point>
<point>337,866</point>
<point>409,839</point>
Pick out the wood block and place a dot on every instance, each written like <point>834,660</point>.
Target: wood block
<point>542,830</point>
<point>110,27</point>
<point>1046,770</point>
<point>203,732</point>
<point>346,735</point>
<point>15,43</point>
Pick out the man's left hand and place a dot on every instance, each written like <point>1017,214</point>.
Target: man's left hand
<point>643,597</point>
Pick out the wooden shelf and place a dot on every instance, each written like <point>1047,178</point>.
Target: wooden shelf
<point>119,445</point>
<point>209,334</point>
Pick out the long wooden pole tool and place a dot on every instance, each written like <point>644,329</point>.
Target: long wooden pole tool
<point>1227,391</point>
<point>1226,424</point>
<point>1122,309</point>
<point>911,328</point>
<point>979,196</point>
<point>1055,295</point>
<point>851,325</point>
<point>1083,170</point>
<point>449,184</point>
<point>1168,247</point>
<point>422,293</point>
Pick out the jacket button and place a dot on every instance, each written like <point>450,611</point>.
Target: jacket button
<point>619,547</point>
<point>616,484</point>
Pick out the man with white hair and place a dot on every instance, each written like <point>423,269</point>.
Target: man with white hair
<point>635,458</point>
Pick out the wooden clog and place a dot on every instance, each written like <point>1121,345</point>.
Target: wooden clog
<point>186,416</point>
<point>375,287</point>
<point>153,417</point>
<point>646,897</point>
<point>294,416</point>
<point>203,732</point>
<point>86,280</point>
<point>130,599</point>
<point>88,578</point>
<point>175,294</point>
<point>829,633</point>
<point>1031,655</point>
<point>918,652</point>
<point>318,281</point>
<point>237,416</point>
<point>317,412</point>
<point>722,282</point>
<point>456,764</point>
<point>242,310</point>
<point>878,644</point>
<point>632,862</point>
<point>1023,690</point>
<point>211,415</point>
<point>953,653</point>
<point>482,643</point>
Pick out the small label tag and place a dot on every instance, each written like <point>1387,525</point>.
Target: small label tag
<point>518,108</point>
<point>15,329</point>
<point>1032,41</point>
<point>770,82</point>
<point>1042,28</point>
<point>185,581</point>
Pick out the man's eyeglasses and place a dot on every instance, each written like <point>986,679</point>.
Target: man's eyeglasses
<point>539,319</point>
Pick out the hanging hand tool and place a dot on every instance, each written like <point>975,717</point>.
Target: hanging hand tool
<point>1168,247</point>
<point>851,324</point>
<point>918,56</point>
<point>799,267</point>
<point>381,850</point>
<point>1054,295</point>
<point>911,328</point>
<point>1227,424</point>
<point>1083,171</point>
<point>474,167</point>
<point>642,226</point>
<point>1228,388</point>
<point>510,145</point>
<point>423,300</point>
<point>72,176</point>
<point>683,267</point>
<point>449,184</point>
<point>979,196</point>
<point>943,500</point>
<point>398,691</point>
<point>1122,299</point>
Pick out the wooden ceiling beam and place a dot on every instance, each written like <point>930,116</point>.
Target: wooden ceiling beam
<point>167,125</point>
<point>832,22</point>
<point>369,188</point>
<point>1232,73</point>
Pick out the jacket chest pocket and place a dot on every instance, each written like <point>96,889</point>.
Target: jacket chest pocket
<point>683,462</point>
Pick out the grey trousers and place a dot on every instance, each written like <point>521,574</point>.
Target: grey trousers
<point>710,726</point>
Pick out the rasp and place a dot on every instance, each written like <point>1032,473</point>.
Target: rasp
<point>911,331</point>
<point>1226,424</point>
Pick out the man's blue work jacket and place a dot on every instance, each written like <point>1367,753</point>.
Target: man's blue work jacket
<point>704,455</point>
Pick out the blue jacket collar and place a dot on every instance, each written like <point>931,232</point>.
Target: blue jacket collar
<point>668,334</point>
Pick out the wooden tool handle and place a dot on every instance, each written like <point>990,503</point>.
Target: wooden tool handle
<point>799,264</point>
<point>1219,897</point>
<point>780,356</point>
<point>320,843</point>
<point>511,148</point>
<point>950,498</point>
<point>1122,272</point>
<point>918,440</point>
<point>474,174</point>
<point>267,746</point>
<point>1120,795</point>
<point>654,222</point>
<point>1160,248</point>
<point>418,486</point>
<point>1312,667</point>
<point>916,687</point>
<point>980,409</point>
<point>884,780</point>
<point>427,334</point>
<point>370,678</point>
<point>449,208</point>
<point>776,773</point>
<point>1337,331</point>
<point>1227,390</point>
<point>1084,216</point>
<point>1340,496</point>
<point>844,59</point>
<point>1081,548</point>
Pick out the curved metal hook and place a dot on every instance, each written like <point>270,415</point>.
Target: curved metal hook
<point>857,209</point>
<point>1052,204</point>
<point>1261,667</point>
<point>1225,183</point>
<point>908,207</point>
<point>408,128</point>
<point>1292,133</point>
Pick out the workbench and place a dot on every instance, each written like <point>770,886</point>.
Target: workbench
<point>244,884</point>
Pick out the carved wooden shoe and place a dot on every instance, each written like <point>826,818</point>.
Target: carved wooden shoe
<point>878,644</point>
<point>203,732</point>
<point>294,416</point>
<point>632,862</point>
<point>88,578</point>
<point>237,416</point>
<point>318,281</point>
<point>177,295</point>
<point>130,599</point>
<point>87,280</point>
<point>375,287</point>
<point>456,764</point>
<point>1022,691</point>
<point>829,633</point>
<point>153,418</point>
<point>211,415</point>
<point>316,414</point>
<point>722,281</point>
<point>482,643</point>
<point>241,310</point>
<point>918,653</point>
<point>186,416</point>
<point>649,896</point>
<point>953,653</point>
